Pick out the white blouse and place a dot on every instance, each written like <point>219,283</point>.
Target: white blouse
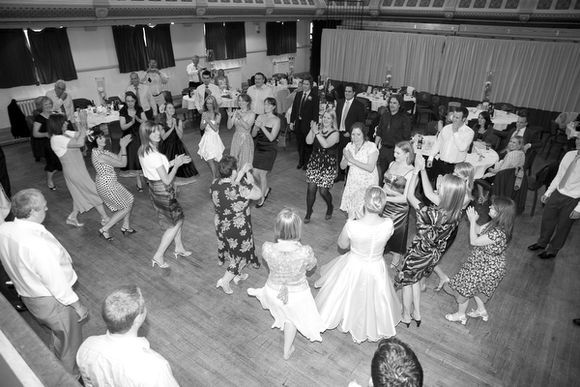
<point>150,162</point>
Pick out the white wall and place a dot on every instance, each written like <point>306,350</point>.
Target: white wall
<point>94,56</point>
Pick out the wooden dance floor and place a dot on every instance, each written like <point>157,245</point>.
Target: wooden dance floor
<point>212,339</point>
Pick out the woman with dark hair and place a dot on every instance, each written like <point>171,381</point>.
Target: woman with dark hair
<point>484,130</point>
<point>265,133</point>
<point>131,116</point>
<point>480,275</point>
<point>242,147</point>
<point>160,173</point>
<point>435,226</point>
<point>356,293</point>
<point>172,141</point>
<point>287,294</point>
<point>397,181</point>
<point>113,193</point>
<point>66,145</point>
<point>360,155</point>
<point>321,169</point>
<point>41,140</point>
<point>211,147</point>
<point>231,194</point>
<point>394,127</point>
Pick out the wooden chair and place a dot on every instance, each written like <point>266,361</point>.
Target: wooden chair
<point>543,178</point>
<point>424,106</point>
<point>557,137</point>
<point>503,185</point>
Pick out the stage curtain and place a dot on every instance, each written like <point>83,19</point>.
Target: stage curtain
<point>52,55</point>
<point>280,38</point>
<point>159,45</point>
<point>534,74</point>
<point>130,48</point>
<point>235,40</point>
<point>15,60</point>
<point>364,56</point>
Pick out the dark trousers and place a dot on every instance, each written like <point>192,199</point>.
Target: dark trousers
<point>342,142</point>
<point>439,167</point>
<point>194,84</point>
<point>386,156</point>
<point>304,150</point>
<point>149,114</point>
<point>4,178</point>
<point>63,323</point>
<point>556,222</point>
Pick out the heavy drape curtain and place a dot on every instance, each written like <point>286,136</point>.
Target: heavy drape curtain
<point>15,60</point>
<point>159,45</point>
<point>280,38</point>
<point>227,40</point>
<point>543,75</point>
<point>316,49</point>
<point>364,56</point>
<point>130,48</point>
<point>52,55</point>
<point>540,75</point>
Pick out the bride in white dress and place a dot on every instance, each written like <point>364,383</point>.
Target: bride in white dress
<point>356,292</point>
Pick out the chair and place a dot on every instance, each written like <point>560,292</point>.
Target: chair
<point>543,178</point>
<point>424,105</point>
<point>506,107</point>
<point>557,137</point>
<point>367,104</point>
<point>453,106</point>
<point>82,103</point>
<point>503,185</point>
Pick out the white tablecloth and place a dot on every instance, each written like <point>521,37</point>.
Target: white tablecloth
<point>377,102</point>
<point>94,119</point>
<point>500,119</point>
<point>229,100</point>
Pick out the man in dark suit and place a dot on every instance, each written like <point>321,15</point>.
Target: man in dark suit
<point>304,111</point>
<point>348,111</point>
<point>531,137</point>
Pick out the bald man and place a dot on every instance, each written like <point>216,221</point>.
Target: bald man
<point>61,100</point>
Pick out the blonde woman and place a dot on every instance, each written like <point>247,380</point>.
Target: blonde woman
<point>211,147</point>
<point>287,294</point>
<point>242,147</point>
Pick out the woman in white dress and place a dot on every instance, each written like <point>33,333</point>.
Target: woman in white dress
<point>211,147</point>
<point>360,155</point>
<point>356,292</point>
<point>287,293</point>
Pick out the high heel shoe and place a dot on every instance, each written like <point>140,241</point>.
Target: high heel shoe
<point>241,277</point>
<point>74,222</point>
<point>52,188</point>
<point>105,235</point>
<point>456,318</point>
<point>441,285</point>
<point>476,313</point>
<point>139,189</point>
<point>407,324</point>
<point>418,322</point>
<point>127,231</point>
<point>184,253</point>
<point>221,284</point>
<point>163,265</point>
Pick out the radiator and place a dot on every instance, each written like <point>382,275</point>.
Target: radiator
<point>27,106</point>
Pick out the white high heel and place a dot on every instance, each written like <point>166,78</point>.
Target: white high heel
<point>225,287</point>
<point>455,317</point>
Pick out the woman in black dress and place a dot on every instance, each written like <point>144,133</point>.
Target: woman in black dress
<point>484,130</point>
<point>42,141</point>
<point>322,166</point>
<point>172,144</point>
<point>265,133</point>
<point>130,117</point>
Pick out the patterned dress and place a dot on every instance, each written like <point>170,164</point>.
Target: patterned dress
<point>485,267</point>
<point>429,245</point>
<point>358,179</point>
<point>113,193</point>
<point>233,224</point>
<point>322,166</point>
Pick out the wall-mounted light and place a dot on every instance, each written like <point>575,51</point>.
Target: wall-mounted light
<point>200,11</point>
<point>101,12</point>
<point>269,11</point>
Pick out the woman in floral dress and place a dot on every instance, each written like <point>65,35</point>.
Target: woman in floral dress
<point>361,156</point>
<point>231,194</point>
<point>321,170</point>
<point>242,147</point>
<point>485,268</point>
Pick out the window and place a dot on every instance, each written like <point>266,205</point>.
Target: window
<point>227,40</point>
<point>280,38</point>
<point>135,45</point>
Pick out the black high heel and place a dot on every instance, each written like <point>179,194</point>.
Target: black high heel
<point>418,322</point>
<point>407,324</point>
<point>127,231</point>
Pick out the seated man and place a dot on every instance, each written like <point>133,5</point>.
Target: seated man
<point>531,137</point>
<point>120,357</point>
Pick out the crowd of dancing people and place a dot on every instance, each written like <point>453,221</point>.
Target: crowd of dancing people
<point>387,180</point>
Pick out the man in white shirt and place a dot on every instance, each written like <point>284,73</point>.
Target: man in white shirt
<point>120,357</point>
<point>156,80</point>
<point>42,273</point>
<point>562,199</point>
<point>143,93</point>
<point>259,92</point>
<point>61,100</point>
<point>451,145</point>
<point>193,71</point>
<point>206,89</point>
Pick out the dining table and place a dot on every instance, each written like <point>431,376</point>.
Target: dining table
<point>377,100</point>
<point>481,156</point>
<point>229,100</point>
<point>501,119</point>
